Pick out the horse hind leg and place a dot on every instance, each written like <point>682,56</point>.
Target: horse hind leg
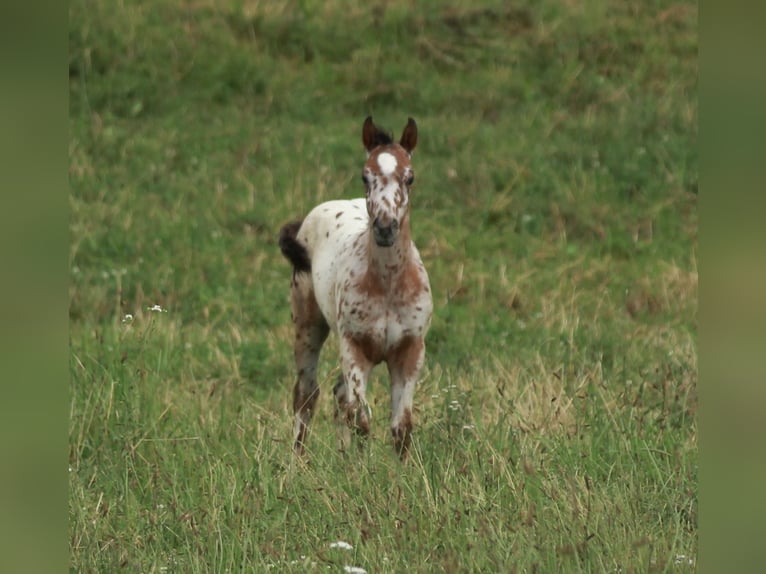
<point>341,407</point>
<point>311,330</point>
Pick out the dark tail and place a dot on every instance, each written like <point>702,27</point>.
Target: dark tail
<point>291,249</point>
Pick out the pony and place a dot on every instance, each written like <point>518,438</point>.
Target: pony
<point>357,272</point>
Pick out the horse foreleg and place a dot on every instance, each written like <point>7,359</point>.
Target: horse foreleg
<point>350,391</point>
<point>404,367</point>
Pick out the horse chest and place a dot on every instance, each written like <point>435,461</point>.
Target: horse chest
<point>380,325</point>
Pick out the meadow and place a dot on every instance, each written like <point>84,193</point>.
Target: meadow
<point>556,212</point>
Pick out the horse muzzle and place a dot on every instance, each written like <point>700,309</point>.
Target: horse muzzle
<point>385,235</point>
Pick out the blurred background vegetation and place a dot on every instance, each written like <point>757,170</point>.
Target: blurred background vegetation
<point>555,208</point>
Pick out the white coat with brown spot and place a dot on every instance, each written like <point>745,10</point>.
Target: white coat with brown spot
<point>358,273</point>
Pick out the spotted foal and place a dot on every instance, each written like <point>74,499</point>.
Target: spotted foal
<point>357,272</point>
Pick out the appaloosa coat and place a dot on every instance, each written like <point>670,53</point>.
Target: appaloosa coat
<point>357,272</point>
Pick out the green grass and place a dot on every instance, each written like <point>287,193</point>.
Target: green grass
<point>556,211</point>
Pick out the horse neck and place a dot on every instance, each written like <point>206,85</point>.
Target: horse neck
<point>390,262</point>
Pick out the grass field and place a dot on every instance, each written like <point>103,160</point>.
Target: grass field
<point>555,209</point>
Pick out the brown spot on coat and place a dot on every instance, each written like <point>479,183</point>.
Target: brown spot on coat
<point>366,349</point>
<point>403,434</point>
<point>370,284</point>
<point>406,355</point>
<point>411,282</point>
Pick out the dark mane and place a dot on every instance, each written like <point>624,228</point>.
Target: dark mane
<point>381,138</point>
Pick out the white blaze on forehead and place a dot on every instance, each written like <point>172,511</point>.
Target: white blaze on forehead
<point>387,163</point>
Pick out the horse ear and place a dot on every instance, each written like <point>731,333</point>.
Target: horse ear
<point>409,136</point>
<point>368,134</point>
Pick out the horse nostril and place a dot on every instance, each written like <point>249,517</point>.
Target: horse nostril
<point>385,234</point>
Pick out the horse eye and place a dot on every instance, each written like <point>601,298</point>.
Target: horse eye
<point>411,179</point>
<point>364,179</point>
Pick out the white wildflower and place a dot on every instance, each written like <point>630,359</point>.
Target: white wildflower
<point>157,309</point>
<point>342,545</point>
<point>684,559</point>
<point>354,570</point>
<point>127,318</point>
